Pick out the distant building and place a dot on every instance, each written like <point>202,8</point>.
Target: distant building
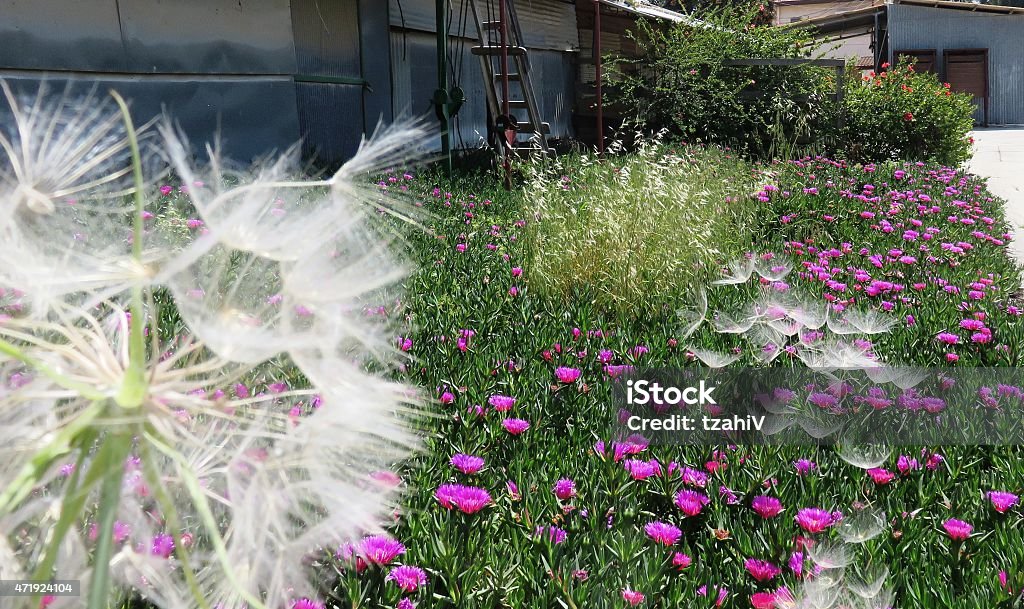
<point>265,73</point>
<point>977,48</point>
<point>853,45</point>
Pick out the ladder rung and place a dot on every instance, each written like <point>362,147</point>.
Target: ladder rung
<point>510,76</point>
<point>491,25</point>
<point>528,128</point>
<point>495,50</point>
<point>517,103</point>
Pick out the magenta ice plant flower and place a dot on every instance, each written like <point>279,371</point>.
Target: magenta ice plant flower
<point>567,375</point>
<point>515,426</point>
<point>467,464</point>
<point>766,506</point>
<point>663,532</point>
<point>691,502</point>
<point>957,530</point>
<point>1002,501</point>
<point>761,570</point>
<point>564,489</point>
<point>814,520</point>
<point>407,577</point>
<point>379,549</point>
<point>632,597</point>
<point>467,499</point>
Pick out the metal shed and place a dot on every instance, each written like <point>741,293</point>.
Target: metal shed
<point>996,39</point>
<point>977,48</point>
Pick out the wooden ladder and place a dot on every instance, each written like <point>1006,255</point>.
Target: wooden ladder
<point>504,62</point>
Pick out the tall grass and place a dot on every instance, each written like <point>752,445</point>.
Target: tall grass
<point>637,230</point>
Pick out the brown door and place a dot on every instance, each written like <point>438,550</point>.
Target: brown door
<point>967,71</point>
<point>925,59</point>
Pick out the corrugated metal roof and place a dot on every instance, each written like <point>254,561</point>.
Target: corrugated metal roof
<point>546,24</point>
<point>973,7</point>
<point>646,9</point>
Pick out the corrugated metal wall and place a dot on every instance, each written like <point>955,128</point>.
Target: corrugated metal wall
<point>546,24</point>
<point>414,76</point>
<point>549,28</point>
<point>197,58</point>
<point>919,27</point>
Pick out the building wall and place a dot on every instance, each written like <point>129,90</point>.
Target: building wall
<point>198,59</point>
<point>919,27</point>
<point>549,29</point>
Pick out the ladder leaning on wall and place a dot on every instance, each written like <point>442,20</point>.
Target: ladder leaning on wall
<point>505,64</point>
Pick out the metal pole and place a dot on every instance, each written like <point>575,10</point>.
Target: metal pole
<point>442,80</point>
<point>597,65</point>
<point>509,135</point>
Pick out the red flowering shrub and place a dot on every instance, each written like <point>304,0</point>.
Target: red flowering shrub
<point>900,114</point>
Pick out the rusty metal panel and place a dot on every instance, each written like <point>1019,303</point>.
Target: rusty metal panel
<point>326,37</point>
<point>923,27</point>
<point>207,36</point>
<point>38,35</point>
<point>202,106</point>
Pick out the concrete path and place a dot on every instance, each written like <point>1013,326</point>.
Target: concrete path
<point>999,156</point>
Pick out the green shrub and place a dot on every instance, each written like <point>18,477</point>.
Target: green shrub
<point>682,83</point>
<point>637,230</point>
<point>901,114</point>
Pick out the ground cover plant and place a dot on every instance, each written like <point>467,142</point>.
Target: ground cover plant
<point>521,500</point>
<point>522,495</point>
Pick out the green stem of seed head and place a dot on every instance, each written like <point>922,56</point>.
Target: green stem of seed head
<point>133,389</point>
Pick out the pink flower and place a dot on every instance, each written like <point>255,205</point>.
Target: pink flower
<point>467,499</point>
<point>467,464</point>
<point>564,489</point>
<point>166,190</point>
<point>405,603</point>
<point>681,561</point>
<point>379,549</point>
<point>307,603</point>
<point>691,502</point>
<point>501,403</point>
<point>762,600</point>
<point>641,470</point>
<point>555,534</point>
<point>663,532</point>
<point>516,271</point>
<point>804,466</point>
<point>460,248</point>
<point>948,338</point>
<point>162,545</point>
<point>632,597</point>
<point>447,397</point>
<point>515,426</point>
<point>407,578</point>
<point>761,570</point>
<point>1002,500</point>
<point>957,530</point>
<point>567,375</point>
<point>766,507</point>
<point>881,475</point>
<point>814,520</point>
